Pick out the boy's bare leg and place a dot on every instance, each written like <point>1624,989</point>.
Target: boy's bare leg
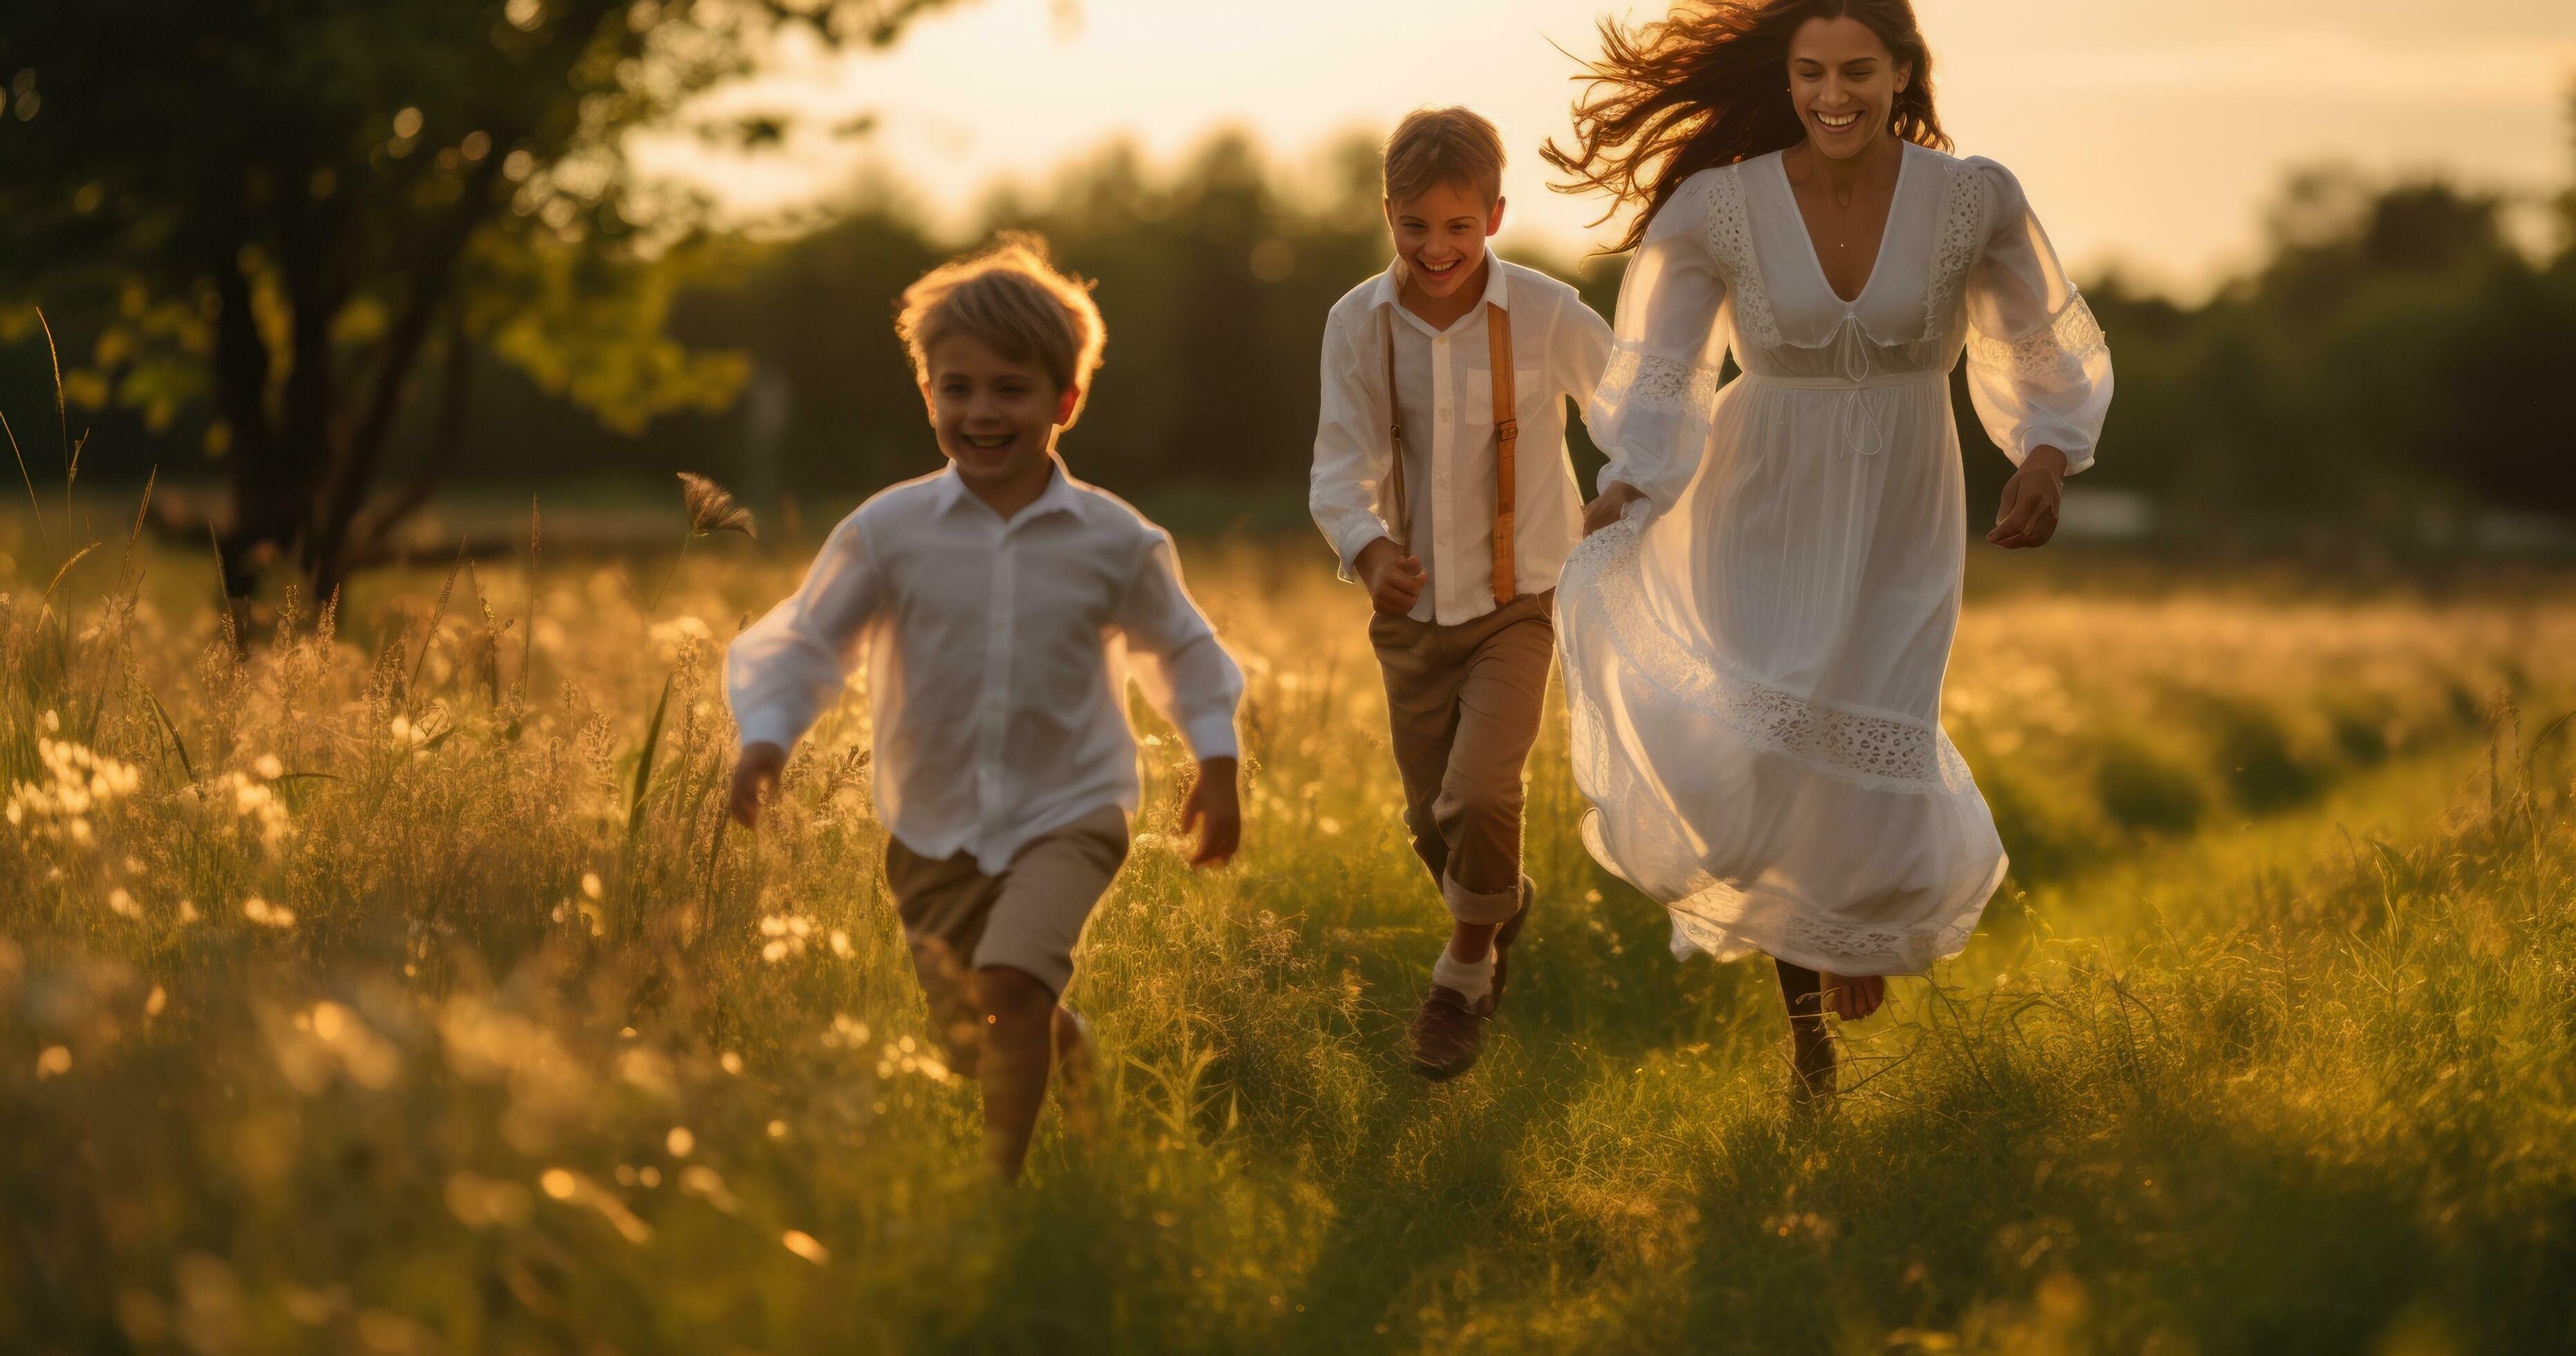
<point>1470,941</point>
<point>1019,1020</point>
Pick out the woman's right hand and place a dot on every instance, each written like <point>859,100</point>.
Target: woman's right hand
<point>1606,509</point>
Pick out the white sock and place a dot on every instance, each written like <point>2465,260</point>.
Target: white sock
<point>1472,979</point>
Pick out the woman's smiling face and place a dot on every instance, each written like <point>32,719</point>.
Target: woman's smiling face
<point>1844,84</point>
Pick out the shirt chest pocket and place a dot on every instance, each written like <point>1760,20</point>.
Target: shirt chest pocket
<point>1476,396</point>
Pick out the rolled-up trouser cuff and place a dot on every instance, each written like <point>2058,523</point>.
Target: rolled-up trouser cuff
<point>1467,906</point>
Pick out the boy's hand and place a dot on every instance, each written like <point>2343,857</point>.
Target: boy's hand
<point>755,775</point>
<point>1394,579</point>
<point>1605,510</point>
<point>1214,812</point>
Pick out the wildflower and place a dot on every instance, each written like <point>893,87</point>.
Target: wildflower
<point>590,884</point>
<point>558,1183</point>
<point>680,1141</point>
<point>57,1059</point>
<point>268,766</point>
<point>711,509</point>
<point>699,1180</point>
<point>155,1001</point>
<point>787,934</point>
<point>803,1245</point>
<point>679,636</point>
<point>122,904</point>
<point>188,911</point>
<point>262,912</point>
<point>77,783</point>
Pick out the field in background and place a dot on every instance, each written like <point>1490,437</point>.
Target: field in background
<point>394,985</point>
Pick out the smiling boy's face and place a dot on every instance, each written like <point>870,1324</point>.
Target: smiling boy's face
<point>995,415</point>
<point>1440,234</point>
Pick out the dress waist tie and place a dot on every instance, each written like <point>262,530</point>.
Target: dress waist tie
<point>1860,427</point>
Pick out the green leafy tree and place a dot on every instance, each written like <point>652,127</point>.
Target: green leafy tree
<point>288,209</point>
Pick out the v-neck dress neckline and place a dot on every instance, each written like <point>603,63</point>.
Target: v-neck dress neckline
<point>1887,228</point>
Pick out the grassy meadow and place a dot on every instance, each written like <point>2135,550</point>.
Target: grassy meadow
<point>390,982</point>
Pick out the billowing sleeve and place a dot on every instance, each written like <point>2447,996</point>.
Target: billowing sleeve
<point>1352,447</point>
<point>1174,656</point>
<point>1652,410</point>
<point>2039,372</point>
<point>784,669</point>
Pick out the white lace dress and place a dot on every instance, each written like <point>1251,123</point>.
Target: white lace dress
<point>1754,655</point>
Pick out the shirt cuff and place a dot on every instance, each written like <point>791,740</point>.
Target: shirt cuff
<point>769,727</point>
<point>1356,540</point>
<point>1212,736</point>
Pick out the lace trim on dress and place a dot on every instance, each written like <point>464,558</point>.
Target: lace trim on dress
<point>1958,237</point>
<point>1883,752</point>
<point>1730,240</point>
<point>2053,355</point>
<point>1728,922</point>
<point>1647,381</point>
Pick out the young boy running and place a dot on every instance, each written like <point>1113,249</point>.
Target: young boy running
<point>1442,480</point>
<point>983,599</point>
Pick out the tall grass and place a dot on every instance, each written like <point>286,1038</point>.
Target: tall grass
<point>368,985</point>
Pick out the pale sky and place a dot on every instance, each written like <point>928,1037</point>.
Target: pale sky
<point>2150,132</point>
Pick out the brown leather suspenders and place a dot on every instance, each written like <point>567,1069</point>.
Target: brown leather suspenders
<point>1507,432</point>
<point>1399,510</point>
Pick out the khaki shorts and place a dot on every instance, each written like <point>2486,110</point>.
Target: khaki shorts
<point>957,919</point>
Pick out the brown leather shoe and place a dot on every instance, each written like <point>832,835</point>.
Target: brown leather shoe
<point>1509,933</point>
<point>1448,1033</point>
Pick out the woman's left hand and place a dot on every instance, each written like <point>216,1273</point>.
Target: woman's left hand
<point>2029,514</point>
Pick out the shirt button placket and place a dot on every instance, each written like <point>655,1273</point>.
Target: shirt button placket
<point>1443,437</point>
<point>993,717</point>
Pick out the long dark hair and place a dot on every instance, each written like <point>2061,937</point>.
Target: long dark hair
<point>1705,86</point>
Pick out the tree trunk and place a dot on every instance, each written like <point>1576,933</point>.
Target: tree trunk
<point>268,501</point>
<point>353,471</point>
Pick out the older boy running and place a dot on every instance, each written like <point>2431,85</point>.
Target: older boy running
<point>1441,478</point>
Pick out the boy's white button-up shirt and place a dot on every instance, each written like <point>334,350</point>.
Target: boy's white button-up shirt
<point>1444,384</point>
<point>997,654</point>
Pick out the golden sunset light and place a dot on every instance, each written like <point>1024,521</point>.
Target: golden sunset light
<point>2162,126</point>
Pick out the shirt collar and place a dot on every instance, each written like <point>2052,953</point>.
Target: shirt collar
<point>1497,289</point>
<point>1061,494</point>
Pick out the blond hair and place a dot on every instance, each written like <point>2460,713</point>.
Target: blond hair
<point>1011,296</point>
<point>1435,146</point>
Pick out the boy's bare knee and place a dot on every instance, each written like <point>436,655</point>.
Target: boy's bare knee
<point>1013,1000</point>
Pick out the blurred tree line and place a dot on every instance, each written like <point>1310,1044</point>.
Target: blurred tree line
<point>2400,349</point>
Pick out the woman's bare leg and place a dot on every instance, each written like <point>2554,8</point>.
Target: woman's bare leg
<point>1811,1046</point>
<point>1852,997</point>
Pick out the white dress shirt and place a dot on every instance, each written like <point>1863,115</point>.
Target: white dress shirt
<point>1444,383</point>
<point>997,655</point>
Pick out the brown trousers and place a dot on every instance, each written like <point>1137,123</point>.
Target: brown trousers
<point>1463,704</point>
